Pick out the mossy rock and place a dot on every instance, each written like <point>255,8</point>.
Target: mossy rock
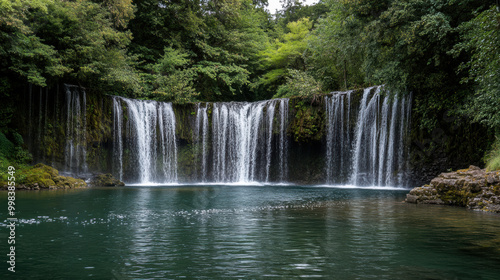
<point>47,177</point>
<point>106,180</point>
<point>308,122</point>
<point>47,169</point>
<point>472,188</point>
<point>68,182</point>
<point>496,189</point>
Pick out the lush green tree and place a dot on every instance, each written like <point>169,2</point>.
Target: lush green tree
<point>293,10</point>
<point>74,41</point>
<point>22,53</point>
<point>299,83</point>
<point>482,39</point>
<point>184,50</point>
<point>405,44</point>
<point>220,41</point>
<point>89,44</point>
<point>335,52</point>
<point>283,54</point>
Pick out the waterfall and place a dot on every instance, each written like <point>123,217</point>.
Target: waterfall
<point>201,138</point>
<point>40,132</point>
<point>392,144</point>
<point>204,147</point>
<point>271,106</point>
<point>236,129</point>
<point>168,142</point>
<point>383,141</point>
<point>232,142</point>
<point>30,125</point>
<point>75,153</point>
<point>117,138</point>
<point>241,142</point>
<point>378,154</point>
<point>283,155</point>
<point>151,141</point>
<point>219,131</point>
<point>243,138</point>
<point>338,136</point>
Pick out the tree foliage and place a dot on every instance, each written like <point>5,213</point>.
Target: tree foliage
<point>482,39</point>
<point>405,44</point>
<point>444,51</point>
<point>299,83</point>
<point>72,40</point>
<point>283,54</point>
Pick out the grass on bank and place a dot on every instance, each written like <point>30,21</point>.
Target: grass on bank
<point>493,156</point>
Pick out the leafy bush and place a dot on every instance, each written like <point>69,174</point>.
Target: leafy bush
<point>13,153</point>
<point>18,139</point>
<point>175,88</point>
<point>4,164</point>
<point>22,156</point>
<point>299,84</point>
<point>6,147</point>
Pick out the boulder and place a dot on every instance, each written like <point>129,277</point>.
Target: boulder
<point>474,188</point>
<point>41,176</point>
<point>106,180</point>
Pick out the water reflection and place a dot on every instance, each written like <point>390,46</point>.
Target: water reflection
<point>255,232</point>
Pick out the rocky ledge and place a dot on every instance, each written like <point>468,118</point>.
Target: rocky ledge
<point>42,176</point>
<point>474,188</point>
<point>105,180</point>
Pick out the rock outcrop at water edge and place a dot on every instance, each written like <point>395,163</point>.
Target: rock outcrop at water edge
<point>473,188</point>
<point>42,176</point>
<point>105,180</point>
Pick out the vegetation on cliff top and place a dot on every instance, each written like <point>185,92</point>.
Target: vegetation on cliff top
<point>446,52</point>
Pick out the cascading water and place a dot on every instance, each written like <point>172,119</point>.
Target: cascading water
<point>283,146</point>
<point>269,139</point>
<point>75,153</point>
<point>168,143</point>
<point>236,129</point>
<point>232,142</point>
<point>242,137</point>
<point>338,137</point>
<point>377,155</point>
<point>150,148</point>
<point>117,138</point>
<point>201,137</point>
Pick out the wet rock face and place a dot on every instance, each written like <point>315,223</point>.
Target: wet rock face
<point>474,188</point>
<point>106,180</point>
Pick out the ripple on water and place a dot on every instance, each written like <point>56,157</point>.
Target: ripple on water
<point>215,232</point>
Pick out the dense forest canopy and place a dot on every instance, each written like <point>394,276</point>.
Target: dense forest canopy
<point>445,51</point>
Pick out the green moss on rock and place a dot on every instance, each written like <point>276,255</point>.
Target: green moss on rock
<point>42,176</point>
<point>308,122</point>
<point>106,180</point>
<point>473,188</point>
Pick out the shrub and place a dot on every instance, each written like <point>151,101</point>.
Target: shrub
<point>493,156</point>
<point>299,84</point>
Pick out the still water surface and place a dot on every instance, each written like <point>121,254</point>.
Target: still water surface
<point>246,232</point>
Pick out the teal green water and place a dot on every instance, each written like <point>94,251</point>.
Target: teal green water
<point>246,232</point>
